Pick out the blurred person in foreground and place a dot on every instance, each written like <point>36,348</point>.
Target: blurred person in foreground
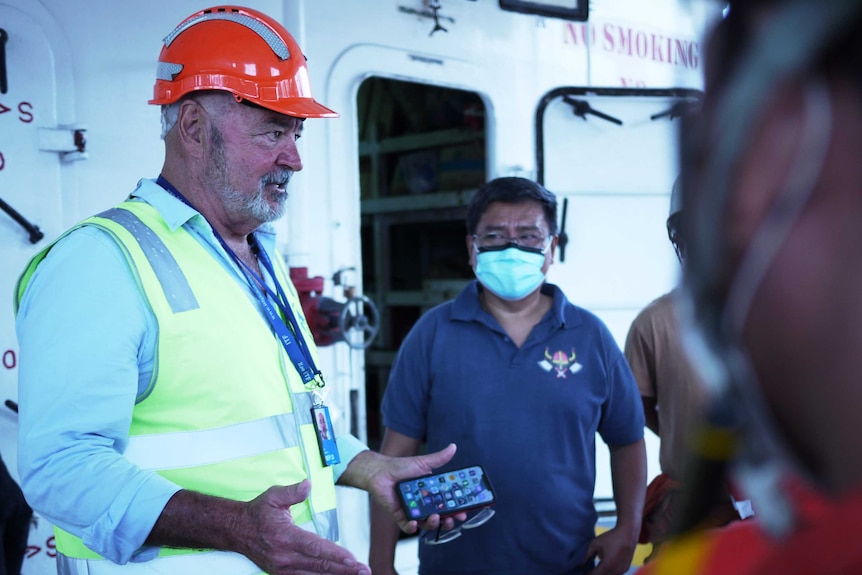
<point>773,182</point>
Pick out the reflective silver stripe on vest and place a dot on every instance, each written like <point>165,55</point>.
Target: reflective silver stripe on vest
<point>325,524</point>
<point>203,447</point>
<point>174,284</point>
<point>204,563</point>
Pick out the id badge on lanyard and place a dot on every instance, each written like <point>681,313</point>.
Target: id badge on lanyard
<point>325,435</point>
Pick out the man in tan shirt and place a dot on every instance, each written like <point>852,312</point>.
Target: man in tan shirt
<point>674,399</point>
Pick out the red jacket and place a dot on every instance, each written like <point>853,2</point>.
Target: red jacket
<point>824,542</point>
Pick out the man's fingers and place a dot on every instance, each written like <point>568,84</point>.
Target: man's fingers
<point>304,551</point>
<point>441,457</point>
<point>285,496</point>
<point>445,523</point>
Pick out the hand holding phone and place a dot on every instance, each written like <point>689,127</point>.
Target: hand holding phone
<point>446,493</point>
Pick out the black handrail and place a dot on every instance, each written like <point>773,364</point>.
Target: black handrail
<point>32,229</point>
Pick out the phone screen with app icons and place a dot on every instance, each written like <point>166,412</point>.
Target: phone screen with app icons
<point>446,493</point>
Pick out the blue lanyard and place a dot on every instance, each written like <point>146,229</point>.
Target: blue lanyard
<point>285,326</point>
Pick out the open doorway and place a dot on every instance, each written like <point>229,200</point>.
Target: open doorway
<point>422,156</point>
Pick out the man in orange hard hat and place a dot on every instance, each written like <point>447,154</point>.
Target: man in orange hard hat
<point>168,379</point>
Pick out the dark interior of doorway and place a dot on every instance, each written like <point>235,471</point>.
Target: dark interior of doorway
<point>422,155</point>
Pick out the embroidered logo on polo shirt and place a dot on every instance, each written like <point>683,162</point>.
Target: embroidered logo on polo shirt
<point>560,362</point>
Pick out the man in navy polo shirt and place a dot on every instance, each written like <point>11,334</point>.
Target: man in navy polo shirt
<point>521,380</point>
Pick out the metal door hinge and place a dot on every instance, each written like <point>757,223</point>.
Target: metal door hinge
<point>70,143</point>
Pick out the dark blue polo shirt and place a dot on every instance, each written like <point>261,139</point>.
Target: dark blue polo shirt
<point>528,415</point>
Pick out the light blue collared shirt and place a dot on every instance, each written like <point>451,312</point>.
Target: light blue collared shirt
<point>87,342</point>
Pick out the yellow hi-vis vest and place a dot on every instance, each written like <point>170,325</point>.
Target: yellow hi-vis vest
<point>225,413</point>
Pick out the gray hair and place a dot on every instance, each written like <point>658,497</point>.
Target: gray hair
<point>214,99</point>
<point>169,117</point>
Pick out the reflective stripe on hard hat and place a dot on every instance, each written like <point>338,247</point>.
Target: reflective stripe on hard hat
<point>168,71</point>
<point>265,32</point>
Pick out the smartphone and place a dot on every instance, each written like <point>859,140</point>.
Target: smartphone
<point>446,493</point>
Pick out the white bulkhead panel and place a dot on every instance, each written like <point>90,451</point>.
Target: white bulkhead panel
<point>37,149</point>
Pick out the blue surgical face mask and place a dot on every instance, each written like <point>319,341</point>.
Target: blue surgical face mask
<point>510,274</point>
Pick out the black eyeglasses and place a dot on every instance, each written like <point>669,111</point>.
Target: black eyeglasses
<point>438,536</point>
<point>528,242</point>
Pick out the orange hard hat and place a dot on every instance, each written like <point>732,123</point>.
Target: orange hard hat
<point>241,51</point>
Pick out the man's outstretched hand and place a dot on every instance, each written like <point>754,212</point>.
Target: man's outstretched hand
<point>379,474</point>
<point>283,548</point>
<point>262,529</point>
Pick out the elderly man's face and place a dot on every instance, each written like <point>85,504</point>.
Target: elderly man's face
<point>252,156</point>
